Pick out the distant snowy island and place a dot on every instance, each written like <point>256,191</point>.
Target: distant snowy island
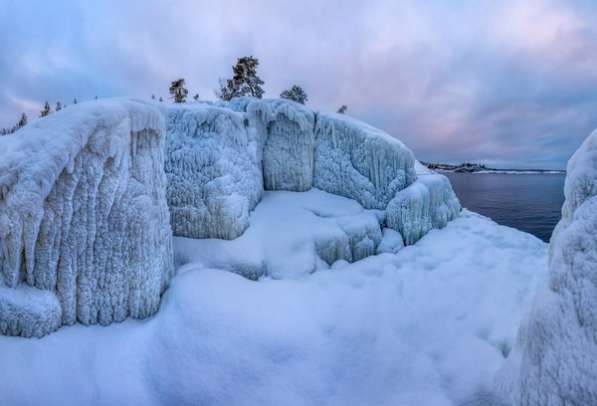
<point>468,167</point>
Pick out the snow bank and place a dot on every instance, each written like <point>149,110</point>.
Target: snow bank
<point>428,326</point>
<point>286,129</point>
<point>553,362</point>
<point>83,214</point>
<point>358,161</point>
<point>213,169</point>
<point>291,234</point>
<point>428,203</point>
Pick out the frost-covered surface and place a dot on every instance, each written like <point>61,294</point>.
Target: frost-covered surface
<point>427,326</point>
<point>214,172</point>
<point>427,203</point>
<point>555,359</point>
<point>291,234</point>
<point>83,214</point>
<point>286,129</point>
<point>358,161</point>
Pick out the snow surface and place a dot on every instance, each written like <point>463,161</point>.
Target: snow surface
<point>428,326</point>
<point>83,214</point>
<point>214,171</point>
<point>291,234</point>
<point>554,361</point>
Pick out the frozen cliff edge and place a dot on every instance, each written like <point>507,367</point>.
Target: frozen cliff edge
<point>222,156</point>
<point>553,361</point>
<point>84,224</point>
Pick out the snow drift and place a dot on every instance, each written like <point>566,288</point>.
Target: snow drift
<point>553,361</point>
<point>84,230</point>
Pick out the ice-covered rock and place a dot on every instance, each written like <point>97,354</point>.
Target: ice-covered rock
<point>428,203</point>
<point>554,361</point>
<point>214,172</point>
<point>355,160</point>
<point>391,242</point>
<point>83,215</point>
<point>286,130</point>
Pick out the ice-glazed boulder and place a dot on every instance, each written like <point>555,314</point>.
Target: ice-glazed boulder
<point>84,223</point>
<point>355,160</point>
<point>554,359</point>
<point>286,130</point>
<point>428,203</point>
<point>214,171</point>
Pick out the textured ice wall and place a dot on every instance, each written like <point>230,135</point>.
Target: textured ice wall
<point>286,130</point>
<point>214,171</point>
<point>428,203</point>
<point>355,160</point>
<point>83,215</point>
<point>554,361</point>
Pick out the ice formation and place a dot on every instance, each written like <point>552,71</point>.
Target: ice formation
<point>428,203</point>
<point>286,130</point>
<point>358,161</point>
<point>553,361</point>
<point>213,169</point>
<point>84,229</point>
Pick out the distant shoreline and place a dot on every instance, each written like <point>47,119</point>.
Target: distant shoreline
<point>479,168</point>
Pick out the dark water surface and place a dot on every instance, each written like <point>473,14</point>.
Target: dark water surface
<point>531,203</point>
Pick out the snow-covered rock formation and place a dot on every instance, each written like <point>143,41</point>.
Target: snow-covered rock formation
<point>213,169</point>
<point>223,155</point>
<point>84,230</point>
<point>554,360</point>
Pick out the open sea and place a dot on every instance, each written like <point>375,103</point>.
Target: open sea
<point>529,202</point>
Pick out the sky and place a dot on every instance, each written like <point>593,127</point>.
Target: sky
<point>512,84</point>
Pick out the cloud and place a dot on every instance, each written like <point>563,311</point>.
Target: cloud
<point>512,83</point>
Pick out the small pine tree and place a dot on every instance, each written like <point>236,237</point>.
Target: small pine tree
<point>178,91</point>
<point>47,110</point>
<point>22,121</point>
<point>196,97</point>
<point>75,100</point>
<point>161,100</point>
<point>95,98</point>
<point>295,93</point>
<point>244,82</point>
<point>58,106</point>
<point>343,109</point>
<point>153,97</point>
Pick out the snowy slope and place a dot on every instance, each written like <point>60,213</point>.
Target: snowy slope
<point>428,326</point>
<point>83,215</point>
<point>554,361</point>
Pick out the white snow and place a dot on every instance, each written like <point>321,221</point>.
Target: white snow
<point>214,173</point>
<point>83,214</point>
<point>428,326</point>
<point>358,161</point>
<point>554,361</point>
<point>291,234</point>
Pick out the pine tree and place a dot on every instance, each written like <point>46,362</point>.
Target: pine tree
<point>22,121</point>
<point>178,91</point>
<point>47,110</point>
<point>161,100</point>
<point>153,97</point>
<point>295,93</point>
<point>244,82</point>
<point>58,106</point>
<point>196,97</point>
<point>75,100</point>
<point>343,109</point>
